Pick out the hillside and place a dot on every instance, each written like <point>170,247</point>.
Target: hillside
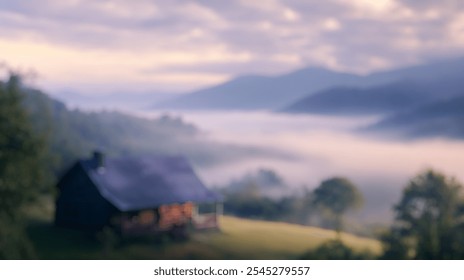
<point>71,134</point>
<point>443,118</point>
<point>273,240</point>
<point>360,101</point>
<point>112,100</point>
<point>238,239</point>
<point>75,133</point>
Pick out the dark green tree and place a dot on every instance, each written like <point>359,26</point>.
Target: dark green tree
<point>336,250</point>
<point>428,222</point>
<point>336,196</point>
<point>395,246</point>
<point>20,170</point>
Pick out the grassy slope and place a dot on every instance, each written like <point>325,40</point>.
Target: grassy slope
<point>272,240</point>
<point>238,239</point>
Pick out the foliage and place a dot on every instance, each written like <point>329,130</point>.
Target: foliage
<point>21,172</point>
<point>335,196</point>
<point>323,207</point>
<point>429,220</point>
<point>336,250</point>
<point>250,201</point>
<point>395,247</point>
<point>266,180</point>
<point>247,202</point>
<point>14,242</point>
<point>108,239</point>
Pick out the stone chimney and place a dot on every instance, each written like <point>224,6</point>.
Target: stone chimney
<point>99,159</point>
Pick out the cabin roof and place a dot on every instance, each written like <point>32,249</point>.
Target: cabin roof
<point>131,183</point>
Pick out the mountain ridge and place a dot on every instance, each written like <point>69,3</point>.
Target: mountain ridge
<point>259,92</point>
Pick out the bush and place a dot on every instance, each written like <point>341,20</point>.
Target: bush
<point>335,250</point>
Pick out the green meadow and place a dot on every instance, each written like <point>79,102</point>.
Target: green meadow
<point>237,239</point>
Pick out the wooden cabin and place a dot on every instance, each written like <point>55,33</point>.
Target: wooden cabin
<point>135,196</point>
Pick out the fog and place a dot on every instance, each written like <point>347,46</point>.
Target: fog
<point>324,147</point>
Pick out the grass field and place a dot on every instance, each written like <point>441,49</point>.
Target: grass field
<point>273,240</point>
<point>237,239</point>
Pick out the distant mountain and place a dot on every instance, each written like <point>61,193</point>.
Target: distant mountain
<point>431,71</point>
<point>444,118</point>
<point>260,92</point>
<point>293,91</point>
<point>355,101</point>
<point>412,87</point>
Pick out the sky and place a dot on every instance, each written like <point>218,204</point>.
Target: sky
<point>97,47</point>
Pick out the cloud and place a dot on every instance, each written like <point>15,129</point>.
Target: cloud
<point>176,44</point>
<point>371,7</point>
<point>456,29</point>
<point>331,24</point>
<point>433,4</point>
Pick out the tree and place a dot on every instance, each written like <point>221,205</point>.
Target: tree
<point>20,169</point>
<point>395,247</point>
<point>336,196</point>
<point>336,250</point>
<point>428,219</point>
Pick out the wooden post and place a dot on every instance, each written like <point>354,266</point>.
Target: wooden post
<point>195,211</point>
<point>219,209</point>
